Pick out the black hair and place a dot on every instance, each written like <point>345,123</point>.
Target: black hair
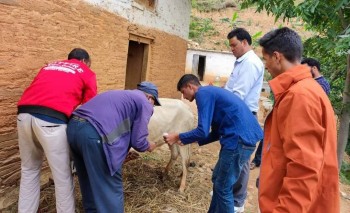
<point>311,62</point>
<point>187,78</point>
<point>79,54</point>
<point>285,41</point>
<point>240,34</point>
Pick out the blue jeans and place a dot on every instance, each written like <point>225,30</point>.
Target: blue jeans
<point>226,173</point>
<point>101,192</point>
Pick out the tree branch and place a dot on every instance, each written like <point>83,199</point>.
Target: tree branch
<point>342,19</point>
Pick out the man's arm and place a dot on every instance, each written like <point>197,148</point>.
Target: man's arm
<point>205,105</point>
<point>90,89</point>
<point>213,136</point>
<point>139,131</point>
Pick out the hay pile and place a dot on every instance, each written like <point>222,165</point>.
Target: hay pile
<point>147,190</point>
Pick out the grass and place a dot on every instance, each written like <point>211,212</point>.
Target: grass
<point>201,27</point>
<point>206,5</point>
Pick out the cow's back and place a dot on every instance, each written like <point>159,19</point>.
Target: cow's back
<point>173,116</point>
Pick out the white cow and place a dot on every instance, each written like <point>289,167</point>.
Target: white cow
<point>173,116</point>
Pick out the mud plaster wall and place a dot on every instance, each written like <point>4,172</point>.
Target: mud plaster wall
<point>33,33</point>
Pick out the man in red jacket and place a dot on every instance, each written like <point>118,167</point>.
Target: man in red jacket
<point>43,113</point>
<point>299,170</point>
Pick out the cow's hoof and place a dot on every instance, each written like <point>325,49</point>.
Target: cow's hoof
<point>182,191</point>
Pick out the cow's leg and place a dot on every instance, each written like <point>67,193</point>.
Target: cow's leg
<point>173,157</point>
<point>185,159</point>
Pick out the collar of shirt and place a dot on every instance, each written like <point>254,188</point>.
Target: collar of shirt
<point>244,56</point>
<point>321,76</point>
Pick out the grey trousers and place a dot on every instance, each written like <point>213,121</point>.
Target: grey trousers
<point>38,138</point>
<point>240,187</point>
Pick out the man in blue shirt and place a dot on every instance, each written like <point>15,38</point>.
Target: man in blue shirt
<point>100,134</point>
<point>315,71</point>
<point>245,81</point>
<point>225,117</point>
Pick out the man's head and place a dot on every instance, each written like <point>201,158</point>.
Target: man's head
<point>314,65</point>
<point>150,90</point>
<point>81,55</point>
<point>188,86</point>
<point>282,49</point>
<point>240,41</point>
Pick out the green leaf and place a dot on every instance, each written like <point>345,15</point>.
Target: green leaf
<point>314,7</point>
<point>234,18</point>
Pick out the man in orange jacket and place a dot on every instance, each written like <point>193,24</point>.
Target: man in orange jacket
<point>299,170</point>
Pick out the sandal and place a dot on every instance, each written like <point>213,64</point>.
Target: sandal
<point>252,166</point>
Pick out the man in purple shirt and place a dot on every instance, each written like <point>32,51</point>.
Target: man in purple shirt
<point>100,134</point>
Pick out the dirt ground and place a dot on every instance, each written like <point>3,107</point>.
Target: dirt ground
<point>147,190</point>
<point>196,197</point>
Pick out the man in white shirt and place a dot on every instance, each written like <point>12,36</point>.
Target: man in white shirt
<point>246,82</point>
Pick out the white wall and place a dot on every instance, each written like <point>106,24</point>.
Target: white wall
<point>217,63</point>
<point>172,16</point>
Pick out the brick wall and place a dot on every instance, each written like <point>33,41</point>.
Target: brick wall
<point>34,33</point>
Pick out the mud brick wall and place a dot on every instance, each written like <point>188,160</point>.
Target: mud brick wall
<point>34,33</point>
<point>9,162</point>
<point>10,170</point>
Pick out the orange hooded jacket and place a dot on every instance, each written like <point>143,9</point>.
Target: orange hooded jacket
<point>299,170</point>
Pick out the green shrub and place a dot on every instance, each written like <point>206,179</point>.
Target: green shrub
<point>345,173</point>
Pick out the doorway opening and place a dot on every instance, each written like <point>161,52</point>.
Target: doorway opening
<point>198,66</point>
<point>136,66</point>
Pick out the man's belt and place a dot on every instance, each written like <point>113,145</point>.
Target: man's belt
<point>77,118</point>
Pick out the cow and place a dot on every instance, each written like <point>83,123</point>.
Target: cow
<point>173,116</point>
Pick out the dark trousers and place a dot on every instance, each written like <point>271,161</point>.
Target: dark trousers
<point>101,192</point>
<point>257,157</point>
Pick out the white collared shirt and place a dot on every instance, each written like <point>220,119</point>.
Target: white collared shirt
<point>246,79</point>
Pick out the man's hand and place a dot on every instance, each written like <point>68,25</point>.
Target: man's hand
<point>179,143</point>
<point>152,146</point>
<point>172,138</point>
<point>132,155</point>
